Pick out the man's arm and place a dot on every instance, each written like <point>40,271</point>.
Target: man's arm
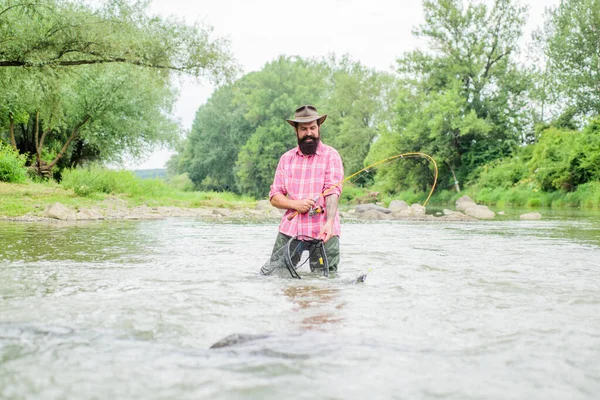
<point>331,208</point>
<point>282,202</point>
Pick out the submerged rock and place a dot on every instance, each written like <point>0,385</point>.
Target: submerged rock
<point>480,212</point>
<point>531,216</point>
<point>236,339</point>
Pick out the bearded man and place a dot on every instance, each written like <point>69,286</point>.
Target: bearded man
<point>307,184</point>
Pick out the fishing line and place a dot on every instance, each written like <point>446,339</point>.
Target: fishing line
<point>366,169</point>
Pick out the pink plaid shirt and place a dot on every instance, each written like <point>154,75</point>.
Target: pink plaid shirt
<point>305,177</point>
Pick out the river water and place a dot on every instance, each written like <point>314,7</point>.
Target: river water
<point>505,309</point>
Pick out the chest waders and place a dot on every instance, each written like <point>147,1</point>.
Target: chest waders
<point>287,258</point>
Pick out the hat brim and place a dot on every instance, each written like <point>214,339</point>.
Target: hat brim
<point>304,120</point>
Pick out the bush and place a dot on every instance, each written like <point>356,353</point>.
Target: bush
<point>181,182</point>
<point>504,173</point>
<point>12,165</point>
<point>85,182</point>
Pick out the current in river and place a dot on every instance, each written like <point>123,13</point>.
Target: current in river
<point>502,309</point>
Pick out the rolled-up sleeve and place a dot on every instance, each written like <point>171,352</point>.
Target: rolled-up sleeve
<point>334,174</point>
<point>278,185</point>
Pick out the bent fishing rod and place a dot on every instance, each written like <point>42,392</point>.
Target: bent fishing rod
<point>366,169</point>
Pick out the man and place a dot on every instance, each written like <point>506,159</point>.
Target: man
<point>307,184</point>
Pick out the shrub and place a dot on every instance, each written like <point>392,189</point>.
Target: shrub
<point>181,182</point>
<point>85,182</point>
<point>12,165</point>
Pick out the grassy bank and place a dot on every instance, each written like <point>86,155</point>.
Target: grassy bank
<point>99,187</point>
<point>85,188</point>
<point>587,196</point>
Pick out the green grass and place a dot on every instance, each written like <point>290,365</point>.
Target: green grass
<point>98,187</point>
<point>22,198</point>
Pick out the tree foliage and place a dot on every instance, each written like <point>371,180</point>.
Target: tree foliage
<point>462,101</point>
<point>570,40</point>
<point>240,133</point>
<point>85,83</point>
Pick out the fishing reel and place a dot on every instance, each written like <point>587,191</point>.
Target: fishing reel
<point>315,210</point>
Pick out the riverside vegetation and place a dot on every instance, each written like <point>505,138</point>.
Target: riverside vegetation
<point>504,130</point>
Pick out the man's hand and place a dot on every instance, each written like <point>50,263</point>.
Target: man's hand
<point>303,206</point>
<point>326,232</point>
<point>282,202</point>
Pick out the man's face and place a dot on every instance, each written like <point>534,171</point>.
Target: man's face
<point>308,137</point>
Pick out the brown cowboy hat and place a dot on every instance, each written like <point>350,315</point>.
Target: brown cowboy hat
<point>305,114</point>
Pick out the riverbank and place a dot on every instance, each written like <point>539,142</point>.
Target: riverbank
<point>34,202</point>
<point>29,201</point>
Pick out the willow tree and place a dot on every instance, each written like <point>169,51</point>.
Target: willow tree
<point>51,46</point>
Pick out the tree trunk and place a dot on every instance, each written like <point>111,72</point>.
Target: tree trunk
<point>74,134</point>
<point>11,130</point>
<point>38,148</point>
<point>456,186</point>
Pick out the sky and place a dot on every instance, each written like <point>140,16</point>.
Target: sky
<point>374,32</point>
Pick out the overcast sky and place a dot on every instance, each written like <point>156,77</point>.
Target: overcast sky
<point>375,32</point>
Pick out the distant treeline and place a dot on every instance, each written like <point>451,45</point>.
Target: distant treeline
<point>151,173</point>
<point>468,100</point>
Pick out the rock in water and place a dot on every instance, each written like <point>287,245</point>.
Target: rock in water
<point>361,278</point>
<point>235,339</point>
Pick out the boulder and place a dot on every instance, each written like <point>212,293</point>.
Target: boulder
<point>373,215</point>
<point>370,206</point>
<point>464,202</point>
<point>480,212</point>
<point>455,216</point>
<point>263,205</point>
<point>417,209</point>
<point>87,214</point>
<point>403,213</point>
<point>397,205</point>
<point>59,211</point>
<point>531,216</point>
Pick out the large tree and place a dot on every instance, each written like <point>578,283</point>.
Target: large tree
<point>570,41</point>
<point>462,99</point>
<point>245,122</point>
<point>95,82</point>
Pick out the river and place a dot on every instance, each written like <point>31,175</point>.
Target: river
<point>503,309</point>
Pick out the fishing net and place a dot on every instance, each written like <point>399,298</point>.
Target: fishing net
<point>296,252</point>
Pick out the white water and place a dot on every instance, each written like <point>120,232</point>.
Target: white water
<point>486,310</point>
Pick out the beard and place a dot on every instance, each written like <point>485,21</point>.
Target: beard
<point>309,148</point>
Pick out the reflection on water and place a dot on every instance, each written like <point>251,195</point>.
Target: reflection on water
<point>307,297</point>
<point>486,310</point>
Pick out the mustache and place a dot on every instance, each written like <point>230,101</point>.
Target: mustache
<point>305,138</point>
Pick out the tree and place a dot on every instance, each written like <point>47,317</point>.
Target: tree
<point>95,83</point>
<point>360,103</point>
<point>463,102</point>
<point>570,41</point>
<point>218,133</point>
<point>271,94</point>
<point>61,33</point>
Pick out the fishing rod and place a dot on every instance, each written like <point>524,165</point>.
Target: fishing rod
<point>366,169</point>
